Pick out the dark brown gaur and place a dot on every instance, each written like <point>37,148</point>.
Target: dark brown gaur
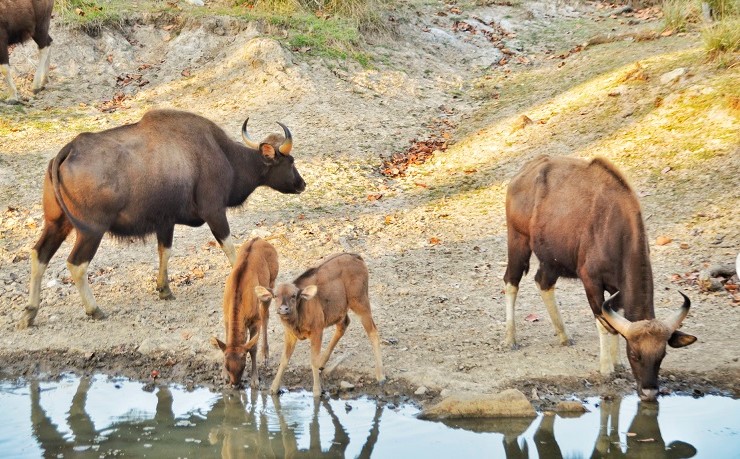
<point>256,265</point>
<point>582,220</point>
<point>22,20</point>
<point>171,167</point>
<point>320,298</point>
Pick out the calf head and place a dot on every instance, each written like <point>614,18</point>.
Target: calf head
<point>282,174</point>
<point>235,358</point>
<point>288,298</point>
<point>646,343</point>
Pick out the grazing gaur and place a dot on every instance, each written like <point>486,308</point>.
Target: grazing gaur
<point>319,298</point>
<point>581,219</point>
<point>256,265</point>
<point>21,20</point>
<point>171,167</point>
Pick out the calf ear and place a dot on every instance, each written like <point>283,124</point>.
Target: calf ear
<point>264,294</point>
<point>250,344</point>
<point>215,342</point>
<point>309,292</point>
<point>681,339</point>
<point>267,150</point>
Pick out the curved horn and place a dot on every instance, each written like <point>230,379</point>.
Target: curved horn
<point>675,322</point>
<point>245,137</point>
<point>619,323</point>
<point>287,144</point>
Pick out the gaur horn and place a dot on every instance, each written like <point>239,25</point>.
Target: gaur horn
<point>287,144</point>
<point>675,322</point>
<point>619,323</point>
<point>245,137</point>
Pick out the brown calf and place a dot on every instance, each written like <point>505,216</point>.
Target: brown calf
<point>319,298</point>
<point>256,265</point>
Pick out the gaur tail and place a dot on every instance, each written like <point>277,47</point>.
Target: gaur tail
<point>56,184</point>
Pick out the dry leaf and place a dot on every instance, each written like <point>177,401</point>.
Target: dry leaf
<point>434,240</point>
<point>374,196</point>
<point>663,240</point>
<point>532,318</point>
<point>186,335</point>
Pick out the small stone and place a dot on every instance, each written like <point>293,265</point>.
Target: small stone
<point>663,240</point>
<point>422,390</point>
<point>570,406</point>
<point>345,385</point>
<point>672,76</point>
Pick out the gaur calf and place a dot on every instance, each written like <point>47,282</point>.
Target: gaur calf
<point>256,265</point>
<point>319,298</point>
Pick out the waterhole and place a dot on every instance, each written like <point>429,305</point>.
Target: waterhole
<point>99,417</point>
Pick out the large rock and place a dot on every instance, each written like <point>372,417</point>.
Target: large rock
<point>510,403</point>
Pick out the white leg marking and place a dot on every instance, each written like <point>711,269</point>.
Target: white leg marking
<point>79,276</point>
<point>8,75</point>
<point>42,71</point>
<point>548,297</point>
<point>606,364</point>
<point>37,272</point>
<point>510,337</point>
<point>163,281</point>
<point>229,250</point>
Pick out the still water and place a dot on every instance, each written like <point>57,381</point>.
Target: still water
<point>107,417</point>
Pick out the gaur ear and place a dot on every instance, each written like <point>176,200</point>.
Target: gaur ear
<point>264,294</point>
<point>681,339</point>
<point>267,150</point>
<point>217,343</point>
<point>250,344</point>
<point>309,292</point>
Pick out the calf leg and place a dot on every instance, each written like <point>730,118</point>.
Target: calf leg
<point>264,318</point>
<point>372,334</point>
<point>519,254</point>
<point>339,330</point>
<point>316,362</point>
<point>77,263</point>
<point>254,379</point>
<point>288,349</point>
<point>55,232</point>
<point>164,248</point>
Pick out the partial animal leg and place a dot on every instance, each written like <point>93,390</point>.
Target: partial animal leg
<point>339,330</point>
<point>372,333</point>
<point>42,71</point>
<point>288,349</point>
<point>545,279</point>
<point>548,297</point>
<point>78,262</point>
<point>164,248</point>
<point>55,232</point>
<point>220,229</point>
<point>264,318</point>
<point>255,379</point>
<point>8,76</point>
<point>608,349</point>
<point>316,362</point>
<point>519,254</point>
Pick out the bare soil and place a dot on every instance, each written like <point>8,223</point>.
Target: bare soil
<point>434,238</point>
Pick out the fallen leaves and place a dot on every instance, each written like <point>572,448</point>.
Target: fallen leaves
<point>663,240</point>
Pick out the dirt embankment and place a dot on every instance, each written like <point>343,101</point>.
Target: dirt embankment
<point>434,239</point>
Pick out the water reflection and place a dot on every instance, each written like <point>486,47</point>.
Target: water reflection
<point>101,417</point>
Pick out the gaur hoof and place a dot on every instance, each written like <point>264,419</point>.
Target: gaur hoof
<point>513,346</point>
<point>382,381</point>
<point>12,101</point>
<point>29,314</point>
<point>98,314</point>
<point>567,342</point>
<point>165,294</point>
<point>37,90</point>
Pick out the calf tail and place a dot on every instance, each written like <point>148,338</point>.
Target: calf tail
<point>56,184</point>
